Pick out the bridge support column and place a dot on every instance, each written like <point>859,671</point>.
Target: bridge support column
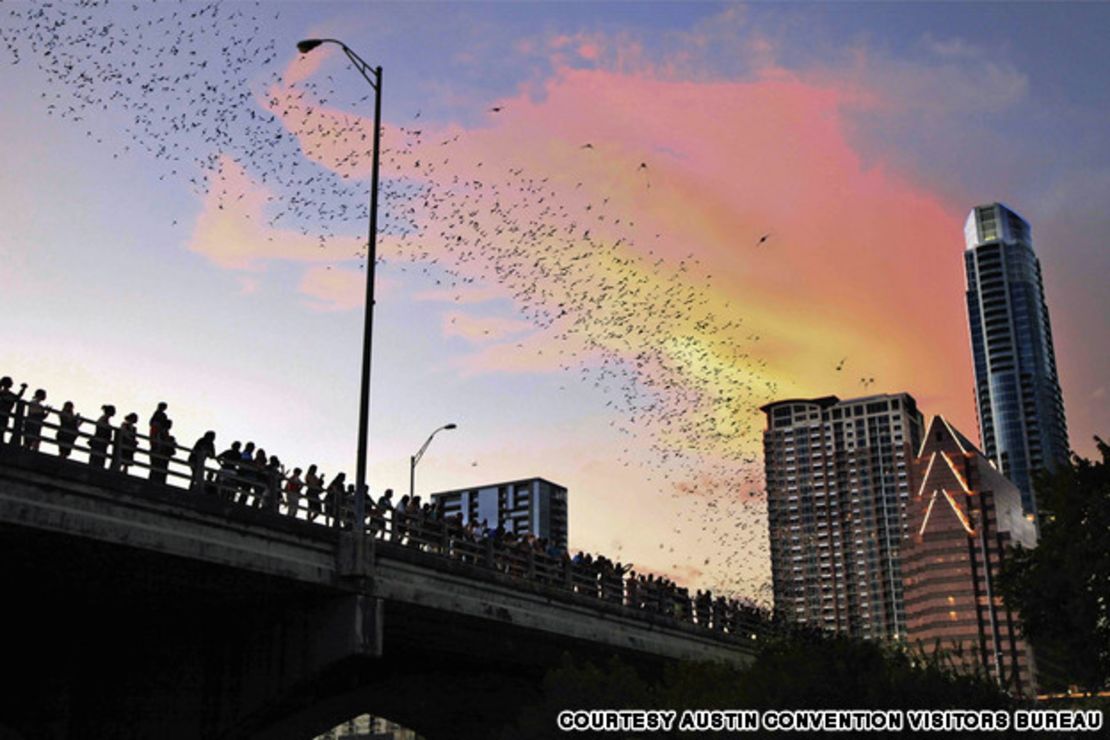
<point>283,663</point>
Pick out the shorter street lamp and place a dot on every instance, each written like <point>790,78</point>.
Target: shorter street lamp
<point>416,458</point>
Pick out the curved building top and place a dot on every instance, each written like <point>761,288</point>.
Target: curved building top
<point>994,222</point>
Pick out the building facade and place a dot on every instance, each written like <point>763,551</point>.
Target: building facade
<point>531,506</point>
<point>369,727</point>
<point>963,516</point>
<point>1022,426</point>
<point>837,489</point>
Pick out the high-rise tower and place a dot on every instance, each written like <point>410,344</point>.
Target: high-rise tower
<point>963,516</point>
<point>837,491</point>
<point>1017,393</point>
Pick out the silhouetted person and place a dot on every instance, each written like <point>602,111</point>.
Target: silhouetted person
<point>158,422</point>
<point>98,445</point>
<point>244,476</point>
<point>258,478</point>
<point>384,508</point>
<point>127,441</point>
<point>333,500</point>
<point>67,429</point>
<point>36,415</point>
<point>7,401</point>
<point>314,489</point>
<point>400,519</point>
<point>293,488</point>
<point>203,448</point>
<point>229,461</point>
<point>347,507</point>
<point>161,450</point>
<point>273,472</point>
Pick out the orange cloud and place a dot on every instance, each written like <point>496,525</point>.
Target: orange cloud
<point>234,231</point>
<point>463,294</point>
<point>232,228</point>
<point>481,328</point>
<point>333,289</point>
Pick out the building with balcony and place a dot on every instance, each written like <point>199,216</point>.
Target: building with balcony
<point>837,489</point>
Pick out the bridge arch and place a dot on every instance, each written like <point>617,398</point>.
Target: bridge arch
<point>438,704</point>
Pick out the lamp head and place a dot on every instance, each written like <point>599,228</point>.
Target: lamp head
<point>308,45</point>
<point>451,426</point>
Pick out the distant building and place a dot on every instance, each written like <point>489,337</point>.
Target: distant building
<point>531,506</point>
<point>1021,411</point>
<point>837,489</point>
<point>369,727</point>
<point>963,516</point>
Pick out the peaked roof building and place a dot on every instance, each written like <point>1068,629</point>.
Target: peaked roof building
<point>963,514</point>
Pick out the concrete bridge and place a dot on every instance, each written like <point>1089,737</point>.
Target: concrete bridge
<point>133,609</point>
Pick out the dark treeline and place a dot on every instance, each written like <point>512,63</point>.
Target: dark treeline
<point>1061,588</point>
<point>802,670</point>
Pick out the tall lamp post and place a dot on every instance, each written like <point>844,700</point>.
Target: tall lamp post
<point>373,75</point>
<point>416,458</point>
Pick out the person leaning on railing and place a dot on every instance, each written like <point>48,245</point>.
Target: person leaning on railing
<point>203,448</point>
<point>384,509</point>
<point>229,461</point>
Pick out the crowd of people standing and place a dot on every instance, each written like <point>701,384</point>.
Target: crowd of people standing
<point>244,474</point>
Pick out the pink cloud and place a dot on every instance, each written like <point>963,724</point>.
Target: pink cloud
<point>303,66</point>
<point>232,229</point>
<point>589,51</point>
<point>861,262</point>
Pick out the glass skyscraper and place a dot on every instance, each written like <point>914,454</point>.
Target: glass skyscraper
<point>1017,392</point>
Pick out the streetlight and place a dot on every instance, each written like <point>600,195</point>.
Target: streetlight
<point>373,75</point>
<point>416,458</point>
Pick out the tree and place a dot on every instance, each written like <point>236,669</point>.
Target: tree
<point>1061,588</point>
<point>799,669</point>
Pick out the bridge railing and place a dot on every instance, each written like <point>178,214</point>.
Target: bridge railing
<point>519,559</point>
<point>124,450</point>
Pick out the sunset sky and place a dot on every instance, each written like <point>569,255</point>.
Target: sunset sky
<point>573,197</point>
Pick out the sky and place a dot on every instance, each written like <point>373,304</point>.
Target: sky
<point>573,201</point>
